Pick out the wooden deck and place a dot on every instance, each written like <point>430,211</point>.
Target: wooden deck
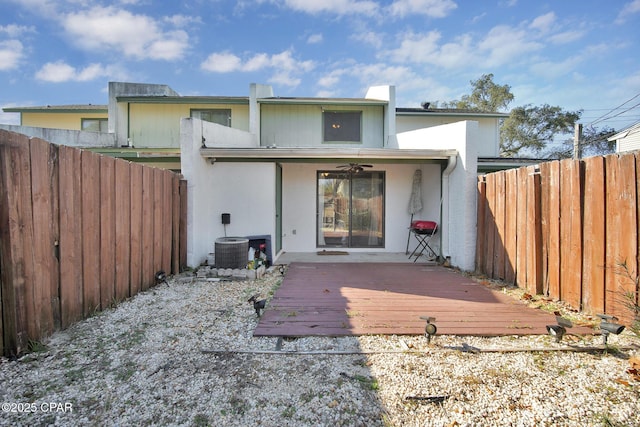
<point>339,299</point>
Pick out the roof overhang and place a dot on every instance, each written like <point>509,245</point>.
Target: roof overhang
<point>327,102</point>
<point>184,99</point>
<point>494,164</point>
<point>449,113</point>
<point>325,155</point>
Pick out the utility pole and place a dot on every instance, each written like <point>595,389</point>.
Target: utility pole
<point>577,136</point>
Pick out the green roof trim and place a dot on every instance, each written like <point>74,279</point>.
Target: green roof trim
<point>80,108</point>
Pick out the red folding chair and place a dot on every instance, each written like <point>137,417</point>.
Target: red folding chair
<point>423,232</point>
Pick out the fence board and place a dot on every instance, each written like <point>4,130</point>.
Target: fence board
<point>175,226</point>
<point>17,267</point>
<point>521,228</point>
<point>167,221</point>
<point>157,214</point>
<point>534,230</point>
<point>183,224</point>
<point>593,264</point>
<point>122,230</point>
<point>621,233</point>
<point>499,239</point>
<point>91,259</point>
<point>135,264</point>
<point>571,233</point>
<point>480,224</point>
<point>147,228</point>
<point>490,224</point>
<point>554,257</point>
<point>44,301</point>
<point>107,231</point>
<point>71,300</point>
<point>510,223</point>
<point>629,236</point>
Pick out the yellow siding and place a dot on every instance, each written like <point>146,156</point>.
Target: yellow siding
<point>70,121</point>
<point>158,125</point>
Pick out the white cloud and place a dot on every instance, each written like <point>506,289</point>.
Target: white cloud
<point>284,66</point>
<point>14,31</point>
<point>370,38</point>
<point>181,21</point>
<point>417,48</point>
<point>11,53</point>
<point>503,44</point>
<point>60,71</point>
<point>566,36</point>
<point>136,36</point>
<point>431,8</point>
<point>630,8</point>
<point>222,63</point>
<point>336,7</point>
<point>543,23</point>
<point>314,39</point>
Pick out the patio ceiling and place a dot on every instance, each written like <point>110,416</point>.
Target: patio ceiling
<point>294,154</point>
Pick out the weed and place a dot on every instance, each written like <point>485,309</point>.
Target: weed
<point>201,420</point>
<point>367,382</point>
<point>238,405</point>
<point>307,396</point>
<point>606,421</point>
<point>289,412</point>
<point>126,371</point>
<point>36,347</point>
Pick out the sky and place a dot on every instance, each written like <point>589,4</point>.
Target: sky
<point>576,54</point>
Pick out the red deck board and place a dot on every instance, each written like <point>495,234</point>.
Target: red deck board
<point>341,299</point>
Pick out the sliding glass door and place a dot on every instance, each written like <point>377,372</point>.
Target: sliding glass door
<point>350,210</point>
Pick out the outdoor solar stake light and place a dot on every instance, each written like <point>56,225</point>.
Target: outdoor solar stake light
<point>556,331</point>
<point>607,326</point>
<point>430,329</point>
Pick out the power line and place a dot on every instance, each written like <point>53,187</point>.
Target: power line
<point>620,113</point>
<point>602,117</point>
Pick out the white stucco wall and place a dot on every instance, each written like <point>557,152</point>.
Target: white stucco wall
<point>486,142</point>
<point>459,186</point>
<point>245,190</point>
<point>72,138</point>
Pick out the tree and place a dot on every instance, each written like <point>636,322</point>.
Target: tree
<point>532,128</point>
<point>593,142</point>
<point>486,96</point>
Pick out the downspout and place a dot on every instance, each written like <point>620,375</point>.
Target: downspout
<point>445,253</point>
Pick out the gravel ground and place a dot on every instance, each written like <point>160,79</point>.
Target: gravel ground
<point>183,354</point>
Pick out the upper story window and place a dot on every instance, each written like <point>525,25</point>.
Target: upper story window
<point>342,126</point>
<point>220,116</point>
<point>95,125</point>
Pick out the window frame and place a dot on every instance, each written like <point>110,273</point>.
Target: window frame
<point>217,110</point>
<point>102,122</point>
<point>327,119</point>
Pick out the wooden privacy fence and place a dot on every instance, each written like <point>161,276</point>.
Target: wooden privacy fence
<point>79,232</point>
<point>567,229</point>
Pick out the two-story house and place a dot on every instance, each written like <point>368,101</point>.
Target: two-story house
<point>282,166</point>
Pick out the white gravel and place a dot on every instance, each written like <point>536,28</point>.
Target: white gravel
<point>184,354</point>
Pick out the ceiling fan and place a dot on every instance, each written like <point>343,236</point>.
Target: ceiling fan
<point>353,167</point>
